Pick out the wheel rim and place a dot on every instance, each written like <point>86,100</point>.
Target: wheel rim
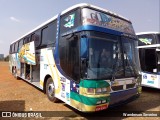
<point>51,90</point>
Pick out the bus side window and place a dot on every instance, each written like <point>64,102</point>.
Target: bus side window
<point>32,37</point>
<point>10,51</point>
<point>49,34</point>
<point>27,39</point>
<point>20,44</point>
<point>36,37</point>
<point>13,48</point>
<point>16,47</point>
<point>69,57</point>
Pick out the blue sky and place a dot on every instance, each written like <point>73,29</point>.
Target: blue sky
<point>20,16</point>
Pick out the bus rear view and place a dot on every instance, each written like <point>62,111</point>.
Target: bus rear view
<point>149,53</point>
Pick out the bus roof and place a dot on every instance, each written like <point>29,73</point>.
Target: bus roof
<point>151,32</point>
<point>69,9</point>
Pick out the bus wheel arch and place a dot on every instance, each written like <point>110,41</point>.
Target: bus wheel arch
<point>45,81</point>
<point>50,89</point>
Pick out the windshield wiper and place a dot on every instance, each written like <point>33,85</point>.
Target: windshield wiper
<point>115,67</point>
<point>131,64</point>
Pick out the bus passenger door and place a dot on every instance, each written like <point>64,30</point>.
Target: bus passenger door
<point>158,59</point>
<point>26,57</point>
<point>33,63</point>
<point>29,58</point>
<point>30,53</point>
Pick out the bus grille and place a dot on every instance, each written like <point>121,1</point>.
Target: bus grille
<point>121,87</point>
<point>116,88</point>
<point>130,85</point>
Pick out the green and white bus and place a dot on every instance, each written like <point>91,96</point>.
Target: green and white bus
<point>149,54</point>
<point>85,56</point>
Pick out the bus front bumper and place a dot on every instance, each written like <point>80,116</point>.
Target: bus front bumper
<point>123,97</point>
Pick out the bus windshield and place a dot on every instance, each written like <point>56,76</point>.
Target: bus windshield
<point>146,39</point>
<point>105,57</point>
<point>100,58</point>
<point>149,55</point>
<point>130,56</point>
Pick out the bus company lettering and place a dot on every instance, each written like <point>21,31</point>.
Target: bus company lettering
<point>153,77</point>
<point>151,82</point>
<point>145,76</point>
<point>107,21</point>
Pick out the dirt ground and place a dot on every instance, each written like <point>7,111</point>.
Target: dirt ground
<point>18,95</point>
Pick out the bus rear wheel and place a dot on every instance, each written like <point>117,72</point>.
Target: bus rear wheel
<point>50,90</point>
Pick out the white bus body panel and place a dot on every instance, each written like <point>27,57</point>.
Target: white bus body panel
<point>48,67</point>
<point>12,61</point>
<point>150,80</point>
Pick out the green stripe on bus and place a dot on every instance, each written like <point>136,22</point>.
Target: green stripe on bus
<point>87,100</point>
<point>94,83</point>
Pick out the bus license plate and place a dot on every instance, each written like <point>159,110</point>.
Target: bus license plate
<point>98,108</point>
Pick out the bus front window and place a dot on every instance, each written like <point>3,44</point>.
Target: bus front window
<point>101,56</point>
<point>108,57</point>
<point>130,61</point>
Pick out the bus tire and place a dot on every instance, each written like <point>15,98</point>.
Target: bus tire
<point>50,90</point>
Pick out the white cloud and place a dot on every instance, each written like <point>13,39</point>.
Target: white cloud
<point>14,19</point>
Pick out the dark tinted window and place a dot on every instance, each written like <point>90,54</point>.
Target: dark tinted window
<point>32,37</point>
<point>49,34</point>
<point>158,37</point>
<point>20,44</point>
<point>26,40</point>
<point>146,39</point>
<point>70,20</point>
<point>12,48</point>
<point>69,57</point>
<point>36,37</point>
<point>148,59</point>
<point>16,47</point>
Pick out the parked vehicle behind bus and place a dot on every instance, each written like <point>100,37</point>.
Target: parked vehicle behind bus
<point>149,53</point>
<point>85,56</point>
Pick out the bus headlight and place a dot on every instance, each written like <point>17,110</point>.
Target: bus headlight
<point>104,89</point>
<point>90,90</point>
<point>99,102</point>
<point>98,90</point>
<point>103,101</point>
<point>101,90</point>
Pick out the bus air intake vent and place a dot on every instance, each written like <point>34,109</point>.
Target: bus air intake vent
<point>118,87</point>
<point>130,85</point>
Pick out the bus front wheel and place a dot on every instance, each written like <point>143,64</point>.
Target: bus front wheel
<point>50,90</point>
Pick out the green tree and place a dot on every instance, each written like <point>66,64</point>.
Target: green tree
<point>6,58</point>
